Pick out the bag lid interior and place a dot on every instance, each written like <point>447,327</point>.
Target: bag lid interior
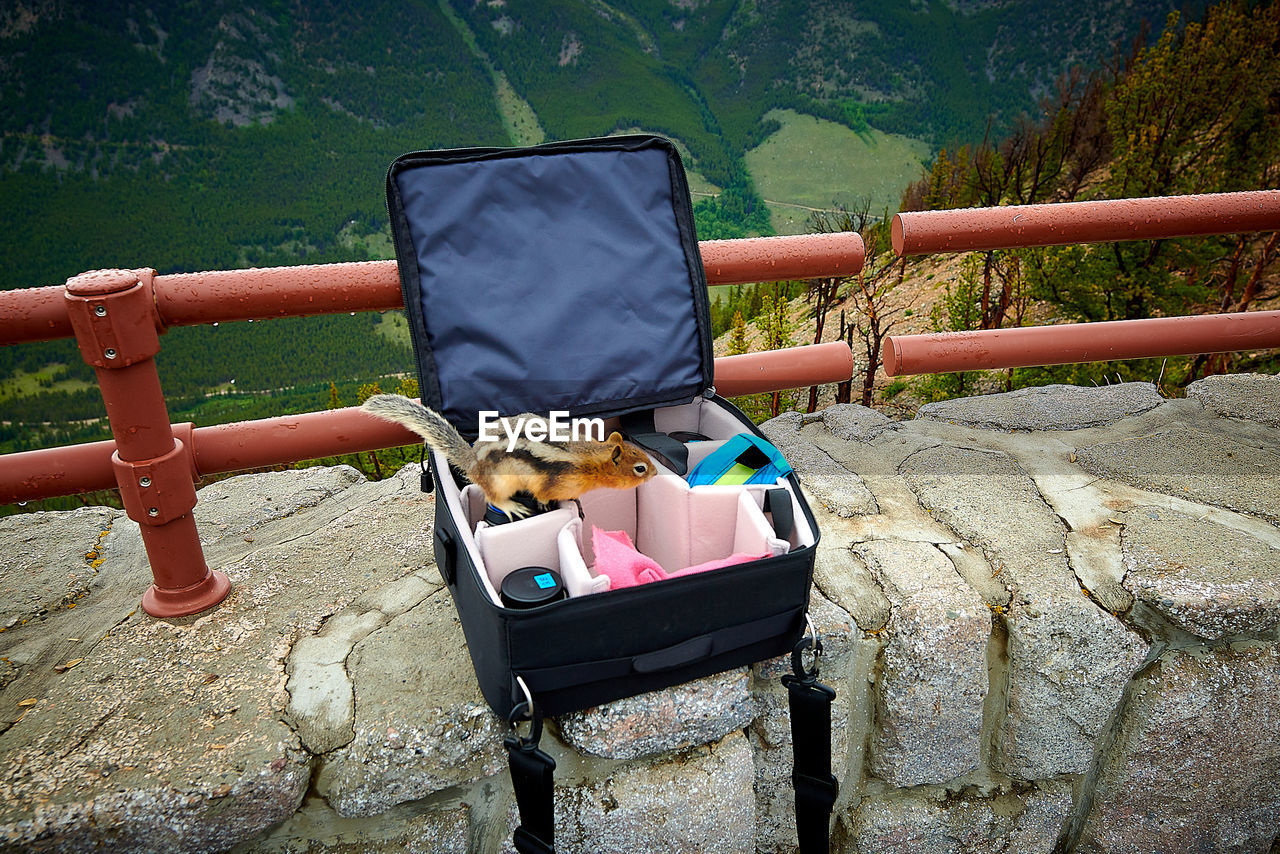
<point>561,277</point>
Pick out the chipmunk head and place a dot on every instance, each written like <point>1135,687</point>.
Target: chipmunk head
<point>630,465</point>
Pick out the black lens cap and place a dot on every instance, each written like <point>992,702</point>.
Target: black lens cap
<point>531,586</point>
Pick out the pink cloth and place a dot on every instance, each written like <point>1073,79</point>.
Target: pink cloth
<point>617,558</point>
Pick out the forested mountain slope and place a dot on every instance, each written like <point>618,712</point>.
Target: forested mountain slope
<point>205,135</point>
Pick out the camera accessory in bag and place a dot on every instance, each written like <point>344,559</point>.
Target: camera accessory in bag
<point>494,516</point>
<point>532,587</point>
<point>743,459</point>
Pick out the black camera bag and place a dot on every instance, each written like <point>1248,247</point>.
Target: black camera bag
<point>567,277</point>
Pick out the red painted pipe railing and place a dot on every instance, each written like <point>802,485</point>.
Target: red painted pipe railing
<point>1013,226</point>
<point>116,317</point>
<point>1028,346</point>
<point>190,299</point>
<point>43,473</point>
<point>46,472</point>
<point>774,370</point>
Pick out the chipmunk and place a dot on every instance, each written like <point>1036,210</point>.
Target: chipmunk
<point>549,471</point>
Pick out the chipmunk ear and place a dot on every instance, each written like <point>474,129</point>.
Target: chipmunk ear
<point>615,439</point>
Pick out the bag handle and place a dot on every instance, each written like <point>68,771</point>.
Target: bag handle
<point>777,503</point>
<point>686,652</point>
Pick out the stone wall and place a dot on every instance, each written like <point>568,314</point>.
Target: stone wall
<point>1051,617</point>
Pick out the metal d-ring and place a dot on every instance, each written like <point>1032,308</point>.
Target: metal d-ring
<point>812,641</point>
<point>526,709</point>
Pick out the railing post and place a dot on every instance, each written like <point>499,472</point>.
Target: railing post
<point>114,318</point>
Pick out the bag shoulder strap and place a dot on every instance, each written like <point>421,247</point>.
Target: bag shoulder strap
<point>816,787</point>
<point>533,779</point>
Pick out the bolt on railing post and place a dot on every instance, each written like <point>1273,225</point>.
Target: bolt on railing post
<point>114,318</point>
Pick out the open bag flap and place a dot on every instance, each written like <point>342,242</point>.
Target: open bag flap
<point>560,277</point>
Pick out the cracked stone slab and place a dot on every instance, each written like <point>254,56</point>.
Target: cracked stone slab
<point>833,486</point>
<point>421,724</point>
<point>843,577</point>
<point>988,500</point>
<point>1207,579</point>
<point>1215,716</point>
<point>675,718</point>
<point>645,806</point>
<point>1090,508</point>
<point>316,829</point>
<point>1199,465</point>
<point>321,693</point>
<point>65,579</point>
<point>1069,660</point>
<point>854,423</point>
<point>1029,820</point>
<point>977,573</point>
<point>231,509</point>
<point>1254,397</point>
<point>170,735</point>
<point>51,560</point>
<point>933,677</point>
<point>1050,407</point>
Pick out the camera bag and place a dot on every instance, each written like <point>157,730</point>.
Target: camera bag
<point>567,278</point>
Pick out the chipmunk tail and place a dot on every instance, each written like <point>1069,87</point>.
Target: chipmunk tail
<point>427,423</point>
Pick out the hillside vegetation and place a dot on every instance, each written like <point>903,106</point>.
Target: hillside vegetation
<point>1198,111</point>
<point>188,136</point>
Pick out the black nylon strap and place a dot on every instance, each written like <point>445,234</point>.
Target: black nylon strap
<point>777,502</point>
<point>816,787</point>
<point>640,431</point>
<point>532,778</point>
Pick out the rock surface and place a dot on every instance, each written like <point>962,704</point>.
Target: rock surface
<point>699,800</point>
<point>1208,580</point>
<point>1068,660</point>
<point>1043,636</point>
<point>1029,822</point>
<point>1211,718</point>
<point>1255,397</point>
<point>1225,472</point>
<point>684,716</point>
<point>933,670</point>
<point>1050,407</point>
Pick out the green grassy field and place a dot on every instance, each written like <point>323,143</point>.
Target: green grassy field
<point>23,384</point>
<point>811,163</point>
<point>518,116</point>
<point>394,327</point>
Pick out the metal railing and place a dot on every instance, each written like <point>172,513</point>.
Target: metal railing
<point>116,317</point>
<point>1104,221</point>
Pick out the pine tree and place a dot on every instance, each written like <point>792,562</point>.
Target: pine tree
<point>738,335</point>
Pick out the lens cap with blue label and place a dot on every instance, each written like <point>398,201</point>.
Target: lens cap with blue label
<point>531,586</point>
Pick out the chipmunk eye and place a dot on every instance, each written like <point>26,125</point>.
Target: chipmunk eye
<point>641,468</point>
